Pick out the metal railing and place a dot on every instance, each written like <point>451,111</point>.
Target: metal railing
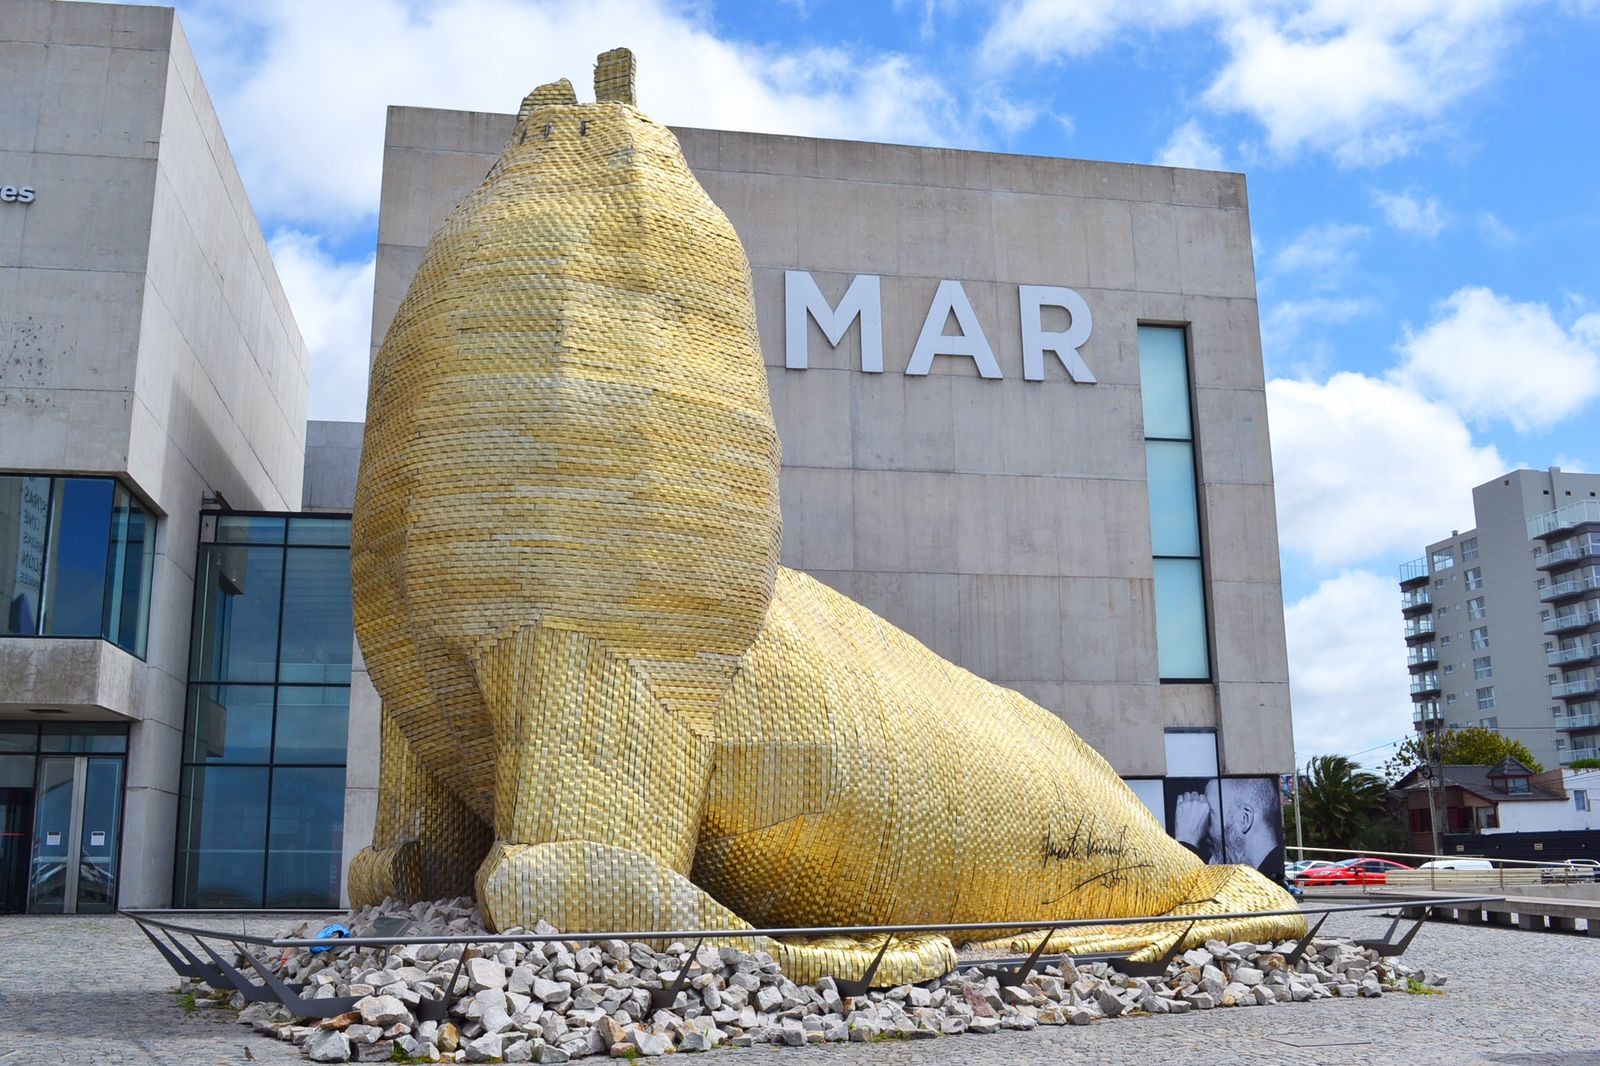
<point>222,975</point>
<point>1572,620</point>
<point>1506,872</point>
<point>1581,686</point>
<point>1582,720</point>
<point>1580,651</point>
<point>1413,570</point>
<point>1570,516</point>
<point>1568,756</point>
<point>1419,627</point>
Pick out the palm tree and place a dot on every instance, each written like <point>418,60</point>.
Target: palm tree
<point>1338,802</point>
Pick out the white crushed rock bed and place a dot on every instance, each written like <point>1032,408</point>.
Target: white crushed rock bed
<point>564,1000</point>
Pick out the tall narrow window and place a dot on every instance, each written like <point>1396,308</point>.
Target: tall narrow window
<point>1181,644</point>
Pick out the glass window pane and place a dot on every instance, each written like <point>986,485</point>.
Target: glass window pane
<point>249,529</point>
<point>229,723</point>
<point>1164,382</point>
<point>75,560</point>
<point>19,736</point>
<point>1181,620</point>
<point>306,838</point>
<point>98,836</point>
<point>1174,519</point>
<point>236,615</point>
<point>311,724</point>
<point>52,834</point>
<point>319,531</point>
<point>24,526</point>
<point>132,558</point>
<point>16,771</point>
<point>82,737</point>
<point>222,836</point>
<point>317,625</point>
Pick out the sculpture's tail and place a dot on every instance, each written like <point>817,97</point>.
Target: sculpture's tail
<point>1209,890</point>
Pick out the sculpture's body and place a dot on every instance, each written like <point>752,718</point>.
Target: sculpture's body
<point>600,689</point>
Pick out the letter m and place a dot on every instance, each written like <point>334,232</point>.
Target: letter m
<point>862,300</point>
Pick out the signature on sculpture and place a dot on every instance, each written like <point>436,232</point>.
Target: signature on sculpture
<point>605,703</point>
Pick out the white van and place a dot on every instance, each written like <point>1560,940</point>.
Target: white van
<point>1457,864</point>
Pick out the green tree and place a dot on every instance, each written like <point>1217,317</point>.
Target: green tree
<point>1472,746</point>
<point>1342,806</point>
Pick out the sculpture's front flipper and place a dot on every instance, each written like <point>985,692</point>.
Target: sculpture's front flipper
<point>425,841</point>
<point>597,808</point>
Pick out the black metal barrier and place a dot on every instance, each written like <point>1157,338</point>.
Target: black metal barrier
<point>224,977</point>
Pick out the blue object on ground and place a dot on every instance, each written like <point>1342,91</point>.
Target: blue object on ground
<point>330,932</point>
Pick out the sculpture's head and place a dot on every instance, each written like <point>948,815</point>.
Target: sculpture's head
<point>569,422</point>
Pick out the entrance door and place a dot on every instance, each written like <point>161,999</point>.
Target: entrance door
<point>16,830</point>
<point>76,829</point>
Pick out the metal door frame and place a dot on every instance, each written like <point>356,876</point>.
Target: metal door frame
<point>80,788</point>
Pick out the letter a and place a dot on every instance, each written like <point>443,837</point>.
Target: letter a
<point>970,342</point>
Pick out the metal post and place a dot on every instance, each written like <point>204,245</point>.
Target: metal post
<point>1299,826</point>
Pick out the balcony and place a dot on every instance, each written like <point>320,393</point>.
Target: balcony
<point>1581,686</point>
<point>1419,629</point>
<point>1562,590</point>
<point>1415,601</point>
<point>1582,651</point>
<point>1587,547</point>
<point>1422,657</point>
<point>1424,686</point>
<point>1414,572</point>
<point>1588,718</point>
<point>1426,715</point>
<point>1565,519</point>
<point>1572,620</point>
<point>1572,755</point>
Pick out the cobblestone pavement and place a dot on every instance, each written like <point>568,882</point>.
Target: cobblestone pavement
<point>92,990</point>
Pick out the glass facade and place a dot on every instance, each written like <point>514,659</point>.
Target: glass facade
<point>76,555</point>
<point>261,798</point>
<point>1181,642</point>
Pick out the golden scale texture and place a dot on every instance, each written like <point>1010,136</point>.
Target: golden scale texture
<point>599,687</point>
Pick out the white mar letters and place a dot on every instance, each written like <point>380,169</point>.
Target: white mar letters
<point>862,304</point>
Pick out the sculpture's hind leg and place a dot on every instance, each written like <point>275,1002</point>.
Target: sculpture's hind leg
<point>424,841</point>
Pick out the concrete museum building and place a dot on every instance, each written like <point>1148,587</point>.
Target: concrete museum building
<point>1021,404</point>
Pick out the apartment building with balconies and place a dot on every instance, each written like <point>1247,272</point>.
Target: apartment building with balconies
<point>1502,621</point>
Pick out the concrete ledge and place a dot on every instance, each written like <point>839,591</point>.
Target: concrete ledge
<point>87,677</point>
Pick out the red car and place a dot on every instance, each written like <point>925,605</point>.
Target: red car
<point>1359,871</point>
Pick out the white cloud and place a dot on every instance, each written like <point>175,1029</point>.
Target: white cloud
<point>1494,359</point>
<point>332,302</point>
<point>1410,213</point>
<point>1367,468</point>
<point>1496,232</point>
<point>1347,672</point>
<point>1293,332</point>
<point>1327,251</point>
<point>1190,147</point>
<point>1362,82</point>
<point>304,85</point>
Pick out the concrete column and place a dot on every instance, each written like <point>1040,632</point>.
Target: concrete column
<point>1530,922</point>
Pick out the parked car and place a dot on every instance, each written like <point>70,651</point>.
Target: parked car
<point>1294,869</point>
<point>1457,864</point>
<point>1358,871</point>
<point>1570,870</point>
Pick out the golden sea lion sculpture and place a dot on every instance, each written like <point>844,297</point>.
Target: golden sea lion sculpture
<point>602,692</point>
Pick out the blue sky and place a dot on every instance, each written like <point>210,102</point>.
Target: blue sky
<point>1422,177</point>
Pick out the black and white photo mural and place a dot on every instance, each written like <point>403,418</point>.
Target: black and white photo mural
<point>1236,820</point>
